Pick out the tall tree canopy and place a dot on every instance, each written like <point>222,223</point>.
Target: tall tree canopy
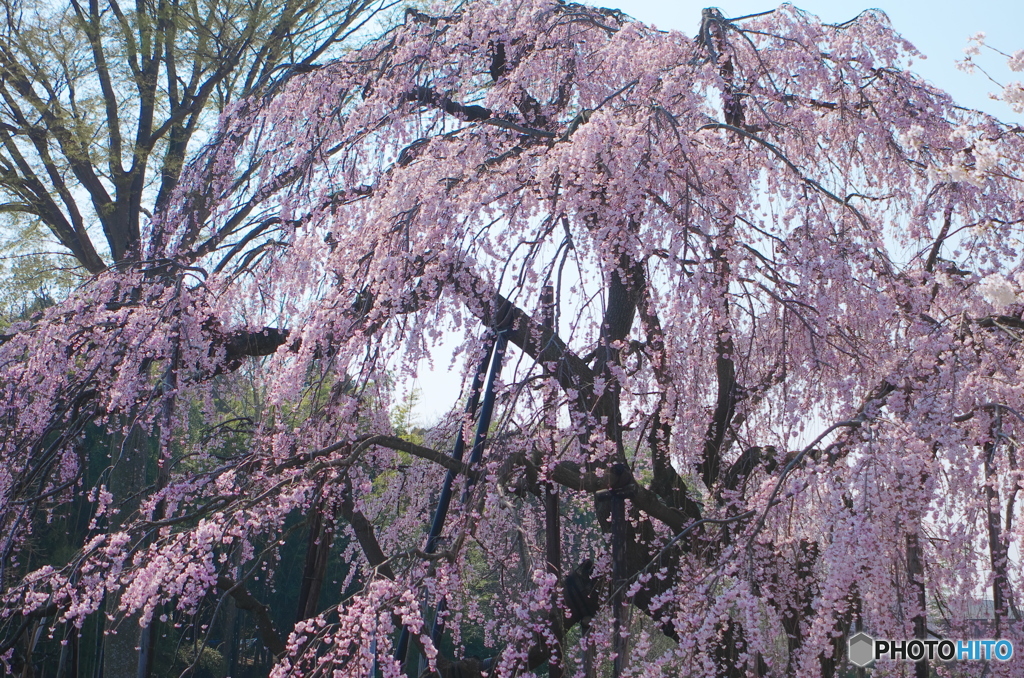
<point>761,293</point>
<point>94,94</point>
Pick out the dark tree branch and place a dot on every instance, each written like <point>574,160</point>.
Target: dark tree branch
<point>366,537</point>
<point>254,344</point>
<point>245,601</point>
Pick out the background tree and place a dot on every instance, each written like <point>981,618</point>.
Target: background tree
<point>101,102</point>
<point>760,295</point>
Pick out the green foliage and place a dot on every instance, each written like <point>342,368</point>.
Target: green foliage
<point>209,663</point>
<point>32,277</point>
<point>402,418</point>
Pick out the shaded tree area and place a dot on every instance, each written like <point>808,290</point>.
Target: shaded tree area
<point>221,636</point>
<point>742,326</point>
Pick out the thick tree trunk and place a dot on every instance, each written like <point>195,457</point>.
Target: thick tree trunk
<point>317,551</point>
<point>915,579</point>
<point>128,456</point>
<point>997,547</point>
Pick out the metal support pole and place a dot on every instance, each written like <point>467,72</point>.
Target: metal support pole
<point>494,358</point>
<point>552,506</point>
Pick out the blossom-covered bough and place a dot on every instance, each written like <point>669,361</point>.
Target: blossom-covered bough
<point>776,385</point>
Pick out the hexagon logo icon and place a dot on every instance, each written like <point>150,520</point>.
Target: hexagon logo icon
<point>862,649</point>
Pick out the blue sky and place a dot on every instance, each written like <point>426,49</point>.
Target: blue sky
<point>939,29</point>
